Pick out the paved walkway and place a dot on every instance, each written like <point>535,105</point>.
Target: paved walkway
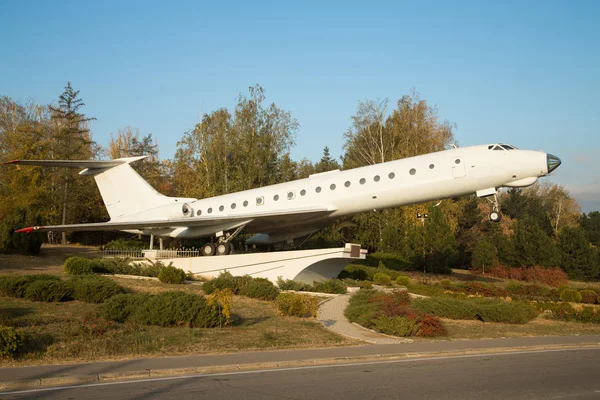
<point>331,315</point>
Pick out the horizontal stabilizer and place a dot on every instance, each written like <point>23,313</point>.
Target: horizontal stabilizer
<point>89,164</point>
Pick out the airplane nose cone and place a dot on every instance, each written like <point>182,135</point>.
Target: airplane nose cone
<point>553,162</point>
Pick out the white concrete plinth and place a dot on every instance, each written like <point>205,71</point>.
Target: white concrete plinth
<point>300,265</point>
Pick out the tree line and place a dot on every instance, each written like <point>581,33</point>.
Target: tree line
<point>249,146</point>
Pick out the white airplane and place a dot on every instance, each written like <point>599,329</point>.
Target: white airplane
<point>295,209</point>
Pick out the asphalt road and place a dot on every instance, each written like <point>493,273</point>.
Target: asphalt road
<point>550,374</point>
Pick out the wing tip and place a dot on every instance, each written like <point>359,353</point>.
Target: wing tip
<point>29,229</point>
<point>12,162</point>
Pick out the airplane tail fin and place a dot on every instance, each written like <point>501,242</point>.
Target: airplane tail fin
<point>123,190</point>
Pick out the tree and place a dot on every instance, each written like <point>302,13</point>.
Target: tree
<point>440,252</point>
<point>127,143</point>
<point>590,224</point>
<point>578,258</point>
<point>326,163</point>
<point>484,255</point>
<point>72,140</point>
<point>533,246</point>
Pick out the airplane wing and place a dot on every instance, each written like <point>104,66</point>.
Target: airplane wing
<point>189,222</point>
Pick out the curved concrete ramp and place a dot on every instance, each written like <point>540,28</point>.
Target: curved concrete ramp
<point>300,265</point>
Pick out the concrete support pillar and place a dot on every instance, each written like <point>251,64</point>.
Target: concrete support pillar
<point>160,241</point>
<point>151,241</point>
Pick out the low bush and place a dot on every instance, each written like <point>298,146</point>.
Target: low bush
<point>391,304</point>
<point>297,305</point>
<point>10,341</point>
<point>353,271</point>
<point>396,326</point>
<point>486,310</point>
<point>289,284</point>
<point>479,289</point>
<point>125,244</point>
<point>125,266</point>
<point>78,266</point>
<point>549,276</point>
<point>532,292</point>
<point>403,280</point>
<point>49,291</point>
<point>226,281</point>
<point>382,279</point>
<point>361,310</point>
<point>172,308</point>
<point>120,307</point>
<point>333,286</point>
<point>94,289</point>
<point>570,295</point>
<point>16,285</point>
<point>172,275</point>
<point>588,296</point>
<point>259,288</point>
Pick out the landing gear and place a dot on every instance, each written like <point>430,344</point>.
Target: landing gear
<point>208,249</point>
<point>223,248</point>
<point>495,215</point>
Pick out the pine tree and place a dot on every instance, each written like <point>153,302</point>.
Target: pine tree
<point>578,258</point>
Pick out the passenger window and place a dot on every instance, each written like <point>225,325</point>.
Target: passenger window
<point>332,187</point>
<point>210,210</point>
<point>233,206</point>
<point>412,171</point>
<point>276,197</point>
<point>431,166</point>
<point>245,203</point>
<point>347,184</point>
<point>376,178</point>
<point>221,208</point>
<point>391,175</point>
<point>199,212</point>
<point>260,201</point>
<point>362,181</point>
<point>291,195</point>
<point>318,189</point>
<point>302,192</point>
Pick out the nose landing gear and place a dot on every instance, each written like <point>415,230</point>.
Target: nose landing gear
<point>495,215</point>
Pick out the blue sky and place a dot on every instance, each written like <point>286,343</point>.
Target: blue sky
<point>523,72</point>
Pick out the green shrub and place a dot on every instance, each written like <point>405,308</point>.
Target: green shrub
<point>16,286</point>
<point>172,275</point>
<point>10,341</point>
<point>93,288</point>
<point>226,281</point>
<point>483,309</point>
<point>361,310</point>
<point>588,296</point>
<point>297,305</point>
<point>396,326</point>
<point>388,260</point>
<point>403,280</point>
<point>78,266</point>
<point>172,308</point>
<point>259,288</point>
<point>353,271</point>
<point>289,284</point>
<point>124,266</point>
<point>333,286</point>
<point>49,291</point>
<point>382,279</point>
<point>125,244</point>
<point>120,307</point>
<point>570,295</point>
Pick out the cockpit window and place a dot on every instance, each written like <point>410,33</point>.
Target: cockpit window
<point>501,146</point>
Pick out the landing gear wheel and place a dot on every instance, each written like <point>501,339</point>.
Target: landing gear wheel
<point>223,248</point>
<point>208,249</point>
<point>495,216</point>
